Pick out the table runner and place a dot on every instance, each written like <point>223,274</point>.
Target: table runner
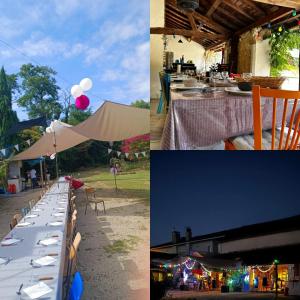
<point>201,120</point>
<point>19,271</point>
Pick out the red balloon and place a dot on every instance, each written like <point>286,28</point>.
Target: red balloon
<point>82,102</point>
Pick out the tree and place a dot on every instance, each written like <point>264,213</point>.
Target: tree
<point>76,116</point>
<point>8,116</point>
<point>39,92</point>
<point>141,104</point>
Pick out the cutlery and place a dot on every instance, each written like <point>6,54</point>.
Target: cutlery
<point>20,288</point>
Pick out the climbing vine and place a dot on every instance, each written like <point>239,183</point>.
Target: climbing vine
<point>282,43</point>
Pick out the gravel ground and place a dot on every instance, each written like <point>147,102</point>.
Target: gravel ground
<point>114,253</point>
<point>11,205</point>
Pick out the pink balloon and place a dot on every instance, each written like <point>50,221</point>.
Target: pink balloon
<point>82,102</point>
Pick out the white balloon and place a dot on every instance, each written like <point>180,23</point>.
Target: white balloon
<point>48,130</point>
<point>52,156</point>
<point>76,91</point>
<point>86,84</point>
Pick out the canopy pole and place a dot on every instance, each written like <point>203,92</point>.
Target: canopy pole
<point>56,163</point>
<point>42,174</point>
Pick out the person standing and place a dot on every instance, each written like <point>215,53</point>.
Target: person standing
<point>33,178</point>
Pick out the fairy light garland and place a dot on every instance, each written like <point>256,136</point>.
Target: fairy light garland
<point>264,271</point>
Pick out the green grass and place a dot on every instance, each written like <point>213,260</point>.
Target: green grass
<point>134,185</point>
<point>123,246</point>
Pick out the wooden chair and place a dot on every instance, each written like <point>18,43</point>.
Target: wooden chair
<point>15,220</point>
<point>284,138</point>
<point>163,105</point>
<point>70,264</point>
<point>90,193</point>
<point>71,230</point>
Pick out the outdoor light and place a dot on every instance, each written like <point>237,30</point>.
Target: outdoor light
<point>188,5</point>
<point>276,261</point>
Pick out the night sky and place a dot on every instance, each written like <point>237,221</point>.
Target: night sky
<point>216,190</point>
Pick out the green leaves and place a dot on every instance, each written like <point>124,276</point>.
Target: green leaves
<point>280,56</point>
<point>8,116</point>
<point>39,92</point>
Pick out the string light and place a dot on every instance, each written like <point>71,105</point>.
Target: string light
<point>294,13</point>
<point>264,271</point>
<point>280,29</point>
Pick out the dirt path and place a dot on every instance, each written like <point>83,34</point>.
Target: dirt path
<point>114,253</point>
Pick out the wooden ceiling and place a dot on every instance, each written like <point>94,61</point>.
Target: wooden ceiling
<point>216,21</point>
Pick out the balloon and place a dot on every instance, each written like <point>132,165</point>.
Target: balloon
<point>48,129</point>
<point>82,102</point>
<point>86,84</point>
<point>52,156</point>
<point>76,91</point>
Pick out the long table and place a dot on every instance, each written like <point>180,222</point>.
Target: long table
<point>20,270</point>
<point>201,120</point>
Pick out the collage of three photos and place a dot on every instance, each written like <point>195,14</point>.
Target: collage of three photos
<point>120,129</point>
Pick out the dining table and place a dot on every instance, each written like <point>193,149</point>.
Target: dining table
<point>201,118</point>
<point>32,254</point>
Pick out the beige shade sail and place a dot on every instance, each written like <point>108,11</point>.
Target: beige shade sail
<point>65,139</point>
<point>111,122</point>
<point>115,122</point>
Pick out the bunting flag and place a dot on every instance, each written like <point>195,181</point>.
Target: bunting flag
<point>17,147</point>
<point>126,154</point>
<point>3,151</point>
<point>137,155</point>
<point>28,142</point>
<point>118,153</point>
<point>109,150</point>
<point>144,153</point>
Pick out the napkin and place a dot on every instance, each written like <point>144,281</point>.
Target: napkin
<point>58,214</point>
<point>9,242</point>
<point>31,216</point>
<point>58,223</point>
<point>3,260</point>
<point>38,290</point>
<point>47,242</point>
<point>45,261</point>
<point>23,224</point>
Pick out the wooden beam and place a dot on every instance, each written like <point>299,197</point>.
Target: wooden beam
<point>186,33</point>
<point>282,12</point>
<point>238,9</point>
<point>210,23</point>
<point>255,6</point>
<point>213,7</point>
<point>192,22</point>
<point>284,3</point>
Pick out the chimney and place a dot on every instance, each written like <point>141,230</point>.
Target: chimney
<point>188,234</point>
<point>175,237</point>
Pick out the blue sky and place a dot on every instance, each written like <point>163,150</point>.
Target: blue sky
<point>106,40</point>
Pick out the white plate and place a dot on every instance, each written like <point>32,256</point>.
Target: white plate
<point>10,242</point>
<point>183,87</point>
<point>58,223</point>
<point>234,90</point>
<point>45,261</point>
<point>38,290</point>
<point>23,224</point>
<point>48,242</point>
